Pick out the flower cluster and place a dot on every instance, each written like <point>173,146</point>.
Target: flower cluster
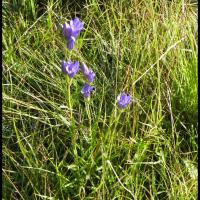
<point>70,32</point>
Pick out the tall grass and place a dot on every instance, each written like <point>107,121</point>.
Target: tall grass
<point>92,149</point>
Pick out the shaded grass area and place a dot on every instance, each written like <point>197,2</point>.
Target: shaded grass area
<point>147,151</point>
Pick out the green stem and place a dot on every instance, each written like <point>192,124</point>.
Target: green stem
<point>88,113</point>
<point>69,97</point>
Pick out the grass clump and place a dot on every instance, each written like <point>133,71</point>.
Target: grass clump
<point>93,149</point>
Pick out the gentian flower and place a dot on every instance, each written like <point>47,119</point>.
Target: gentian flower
<point>71,43</point>
<point>70,68</point>
<point>123,100</point>
<point>86,89</point>
<point>71,31</point>
<point>89,74</point>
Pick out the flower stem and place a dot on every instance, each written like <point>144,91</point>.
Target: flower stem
<point>89,114</point>
<point>69,97</point>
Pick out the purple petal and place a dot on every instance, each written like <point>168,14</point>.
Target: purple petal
<point>66,31</point>
<point>71,43</point>
<point>63,66</point>
<point>73,69</point>
<point>85,69</point>
<point>86,89</point>
<point>89,74</point>
<point>70,68</point>
<point>76,24</point>
<point>76,67</point>
<point>71,31</point>
<point>123,100</point>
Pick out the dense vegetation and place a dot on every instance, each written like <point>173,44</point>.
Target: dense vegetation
<point>90,148</point>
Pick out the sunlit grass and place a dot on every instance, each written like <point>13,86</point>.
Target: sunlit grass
<point>54,148</point>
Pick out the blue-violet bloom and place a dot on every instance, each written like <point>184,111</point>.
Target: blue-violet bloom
<point>86,89</point>
<point>70,68</point>
<point>71,31</point>
<point>123,100</point>
<point>89,74</point>
<point>71,43</point>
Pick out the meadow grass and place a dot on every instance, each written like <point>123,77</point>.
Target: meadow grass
<point>58,145</point>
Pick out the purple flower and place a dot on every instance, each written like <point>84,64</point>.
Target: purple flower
<point>123,100</point>
<point>89,74</point>
<point>71,31</point>
<point>71,43</point>
<point>70,68</point>
<point>86,89</point>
